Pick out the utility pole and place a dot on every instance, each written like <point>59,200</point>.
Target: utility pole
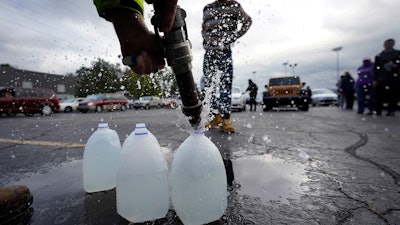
<point>285,65</point>
<point>337,49</point>
<point>293,66</point>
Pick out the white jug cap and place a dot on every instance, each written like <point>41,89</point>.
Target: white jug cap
<point>103,125</point>
<point>141,129</point>
<point>140,125</point>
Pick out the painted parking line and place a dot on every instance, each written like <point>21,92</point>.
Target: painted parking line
<point>42,143</point>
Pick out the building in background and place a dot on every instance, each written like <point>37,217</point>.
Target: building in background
<point>61,84</point>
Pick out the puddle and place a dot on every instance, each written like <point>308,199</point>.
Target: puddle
<point>65,179</point>
<point>268,178</point>
<point>59,197</point>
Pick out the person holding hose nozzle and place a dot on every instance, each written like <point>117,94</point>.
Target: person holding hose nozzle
<point>224,21</point>
<point>145,51</point>
<point>134,37</point>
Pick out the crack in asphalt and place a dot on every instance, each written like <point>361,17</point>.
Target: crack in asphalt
<point>363,141</point>
<point>352,150</point>
<point>396,177</point>
<point>8,146</point>
<point>375,211</point>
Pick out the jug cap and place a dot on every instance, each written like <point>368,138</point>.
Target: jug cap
<point>140,125</point>
<point>141,129</point>
<point>103,125</point>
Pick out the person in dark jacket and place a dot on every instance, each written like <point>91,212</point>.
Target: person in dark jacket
<point>347,87</point>
<point>340,92</point>
<point>387,78</point>
<point>309,94</point>
<point>364,86</point>
<point>252,88</point>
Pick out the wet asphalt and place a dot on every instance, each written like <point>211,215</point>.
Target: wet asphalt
<point>324,166</point>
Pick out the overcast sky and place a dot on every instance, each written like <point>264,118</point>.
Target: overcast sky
<point>57,36</point>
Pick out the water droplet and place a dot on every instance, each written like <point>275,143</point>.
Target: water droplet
<point>266,139</point>
<point>303,154</point>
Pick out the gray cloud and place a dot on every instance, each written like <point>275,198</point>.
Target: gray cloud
<point>61,36</point>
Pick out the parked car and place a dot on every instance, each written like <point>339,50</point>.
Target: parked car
<point>128,95</point>
<point>70,105</point>
<point>28,101</point>
<point>64,97</point>
<point>100,102</point>
<point>323,97</point>
<point>170,103</point>
<point>238,99</point>
<point>147,102</point>
<point>131,102</point>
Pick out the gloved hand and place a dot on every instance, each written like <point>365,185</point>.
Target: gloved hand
<point>138,41</point>
<point>388,66</point>
<point>168,10</point>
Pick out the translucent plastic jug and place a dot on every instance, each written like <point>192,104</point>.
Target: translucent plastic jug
<point>198,181</point>
<point>142,183</point>
<point>100,160</point>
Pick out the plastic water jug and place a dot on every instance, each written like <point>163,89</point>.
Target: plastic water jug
<point>100,160</point>
<point>198,181</point>
<point>142,182</point>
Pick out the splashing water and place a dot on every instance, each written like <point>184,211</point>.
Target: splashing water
<point>251,138</point>
<point>303,154</point>
<point>209,93</point>
<point>266,139</point>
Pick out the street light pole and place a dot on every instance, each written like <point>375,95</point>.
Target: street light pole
<point>337,49</point>
<point>285,65</point>
<point>293,66</point>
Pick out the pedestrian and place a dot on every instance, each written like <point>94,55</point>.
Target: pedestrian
<point>364,86</point>
<point>224,21</point>
<point>387,78</point>
<point>309,94</point>
<point>347,87</point>
<point>253,89</point>
<point>340,92</point>
<point>134,37</point>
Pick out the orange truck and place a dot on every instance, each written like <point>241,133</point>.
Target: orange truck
<point>286,91</point>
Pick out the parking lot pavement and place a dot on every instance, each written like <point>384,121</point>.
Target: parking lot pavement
<point>325,166</point>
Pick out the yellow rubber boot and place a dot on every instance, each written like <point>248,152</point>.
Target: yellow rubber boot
<point>227,126</point>
<point>216,122</point>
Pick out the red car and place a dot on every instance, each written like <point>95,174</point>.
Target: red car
<point>28,100</point>
<point>100,102</point>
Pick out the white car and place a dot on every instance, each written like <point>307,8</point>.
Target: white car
<point>69,105</point>
<point>323,97</point>
<point>238,99</point>
<point>147,102</point>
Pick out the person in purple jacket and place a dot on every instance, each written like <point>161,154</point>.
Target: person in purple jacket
<point>364,86</point>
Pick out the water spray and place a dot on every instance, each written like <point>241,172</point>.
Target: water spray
<point>177,50</point>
